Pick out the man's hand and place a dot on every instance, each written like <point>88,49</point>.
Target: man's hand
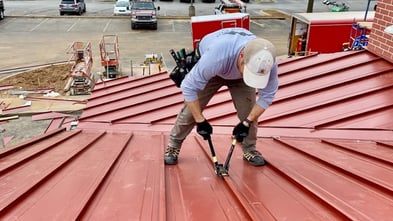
<point>240,131</point>
<point>204,129</point>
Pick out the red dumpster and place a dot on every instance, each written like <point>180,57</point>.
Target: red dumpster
<point>323,32</point>
<point>203,25</point>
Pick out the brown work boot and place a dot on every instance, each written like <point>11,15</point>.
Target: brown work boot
<point>254,158</point>
<point>170,157</point>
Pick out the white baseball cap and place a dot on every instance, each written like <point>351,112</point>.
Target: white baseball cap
<point>259,57</point>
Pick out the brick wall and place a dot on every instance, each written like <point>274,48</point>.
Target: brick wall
<point>380,42</point>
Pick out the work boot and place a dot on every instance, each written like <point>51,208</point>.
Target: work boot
<point>254,158</point>
<point>170,157</point>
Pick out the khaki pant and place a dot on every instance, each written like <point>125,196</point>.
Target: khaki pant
<point>243,98</point>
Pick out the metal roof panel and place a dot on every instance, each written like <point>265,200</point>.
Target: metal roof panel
<point>327,139</point>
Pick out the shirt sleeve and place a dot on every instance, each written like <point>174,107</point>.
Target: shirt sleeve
<point>196,80</point>
<point>266,95</point>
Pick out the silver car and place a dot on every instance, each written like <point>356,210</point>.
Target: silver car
<point>122,7</point>
<point>72,7</point>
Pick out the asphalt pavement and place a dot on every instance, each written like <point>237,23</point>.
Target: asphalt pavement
<point>36,33</point>
<point>177,8</point>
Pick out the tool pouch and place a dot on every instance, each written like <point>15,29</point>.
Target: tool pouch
<point>177,75</point>
<point>184,63</point>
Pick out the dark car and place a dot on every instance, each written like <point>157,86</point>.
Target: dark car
<point>1,10</point>
<point>72,7</point>
<point>144,13</point>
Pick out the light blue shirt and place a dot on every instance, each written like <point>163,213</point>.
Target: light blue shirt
<point>219,53</point>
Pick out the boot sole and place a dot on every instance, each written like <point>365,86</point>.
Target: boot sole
<point>256,164</point>
<point>170,162</point>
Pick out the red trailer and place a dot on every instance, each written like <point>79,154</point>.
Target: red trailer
<point>203,25</point>
<point>324,32</point>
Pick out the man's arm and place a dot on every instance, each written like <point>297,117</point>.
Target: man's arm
<point>196,111</point>
<point>255,113</point>
<point>265,96</point>
<point>203,127</point>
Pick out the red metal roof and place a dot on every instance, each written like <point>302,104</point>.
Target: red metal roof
<point>327,138</point>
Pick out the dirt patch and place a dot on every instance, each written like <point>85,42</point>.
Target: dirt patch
<point>53,77</point>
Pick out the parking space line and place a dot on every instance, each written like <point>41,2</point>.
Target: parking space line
<point>77,21</point>
<point>39,24</point>
<point>173,27</point>
<point>258,24</point>
<point>7,22</point>
<point>107,25</point>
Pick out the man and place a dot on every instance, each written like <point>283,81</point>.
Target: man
<point>236,58</point>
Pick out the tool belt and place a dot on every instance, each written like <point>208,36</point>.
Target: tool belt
<point>184,63</point>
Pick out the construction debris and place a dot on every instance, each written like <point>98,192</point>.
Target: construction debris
<point>6,87</point>
<point>9,118</point>
<point>37,91</point>
<point>17,109</point>
<point>152,63</point>
<point>6,140</point>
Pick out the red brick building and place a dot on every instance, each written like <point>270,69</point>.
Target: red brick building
<point>380,41</point>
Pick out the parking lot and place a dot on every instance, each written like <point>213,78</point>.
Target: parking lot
<point>34,33</point>
<point>28,41</point>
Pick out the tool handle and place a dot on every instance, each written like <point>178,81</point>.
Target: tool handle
<point>226,164</point>
<point>183,53</point>
<point>175,57</point>
<point>218,168</point>
<point>209,140</point>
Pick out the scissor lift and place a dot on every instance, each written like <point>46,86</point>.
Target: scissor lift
<point>80,80</point>
<point>109,51</point>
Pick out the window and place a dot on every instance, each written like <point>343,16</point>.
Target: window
<point>143,5</point>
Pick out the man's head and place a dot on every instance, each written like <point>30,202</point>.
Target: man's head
<point>258,60</point>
